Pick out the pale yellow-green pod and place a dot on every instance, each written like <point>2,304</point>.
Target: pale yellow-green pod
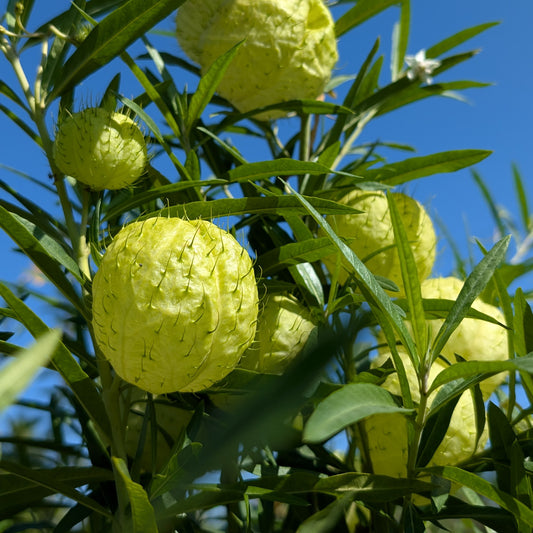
<point>386,434</point>
<point>289,48</point>
<point>371,236</point>
<point>100,148</point>
<point>175,304</point>
<point>284,325</point>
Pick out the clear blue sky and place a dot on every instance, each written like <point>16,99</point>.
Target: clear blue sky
<point>497,118</point>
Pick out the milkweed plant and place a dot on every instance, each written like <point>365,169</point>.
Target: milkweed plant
<point>239,326</point>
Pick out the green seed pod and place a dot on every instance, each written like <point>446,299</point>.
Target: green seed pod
<point>174,304</point>
<point>102,149</point>
<point>386,434</point>
<point>370,235</point>
<point>284,326</point>
<point>288,53</point>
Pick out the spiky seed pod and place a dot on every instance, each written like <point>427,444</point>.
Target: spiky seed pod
<point>288,53</point>
<point>370,235</point>
<point>284,325</point>
<point>174,304</point>
<point>386,434</point>
<point>102,149</point>
<point>474,340</point>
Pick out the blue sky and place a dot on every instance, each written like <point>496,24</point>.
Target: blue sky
<point>497,118</point>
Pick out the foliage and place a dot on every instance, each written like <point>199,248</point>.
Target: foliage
<point>255,452</point>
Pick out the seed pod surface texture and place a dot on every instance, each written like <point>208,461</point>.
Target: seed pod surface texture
<point>371,233</point>
<point>387,433</point>
<point>289,48</point>
<point>174,304</point>
<point>284,326</point>
<point>474,339</point>
<point>102,149</point>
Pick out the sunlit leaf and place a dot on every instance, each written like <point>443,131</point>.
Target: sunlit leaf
<point>347,406</point>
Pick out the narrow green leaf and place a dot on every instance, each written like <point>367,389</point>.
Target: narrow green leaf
<point>369,487</point>
<point>410,278</point>
<point>472,288</point>
<point>142,513</point>
<point>294,253</point>
<point>21,124</point>
<point>457,39</point>
<point>489,199</point>
<point>493,517</point>
<point>167,193</point>
<point>17,494</point>
<point>276,167</point>
<point>522,199</point>
<point>109,100</point>
<point>16,375</point>
<point>145,117</point>
<point>42,252</point>
<point>475,368</point>
<point>434,431</point>
<point>523,324</point>
<point>346,406</point>
<point>362,11</point>
<point>279,205</point>
<point>229,149</point>
<point>80,383</point>
<point>6,90</point>
<point>502,437</point>
<point>55,481</point>
<point>483,487</point>
<point>171,476</point>
<point>419,167</point>
<point>208,85</point>
<point>325,520</point>
<point>110,37</point>
<point>334,135</point>
<point>400,39</point>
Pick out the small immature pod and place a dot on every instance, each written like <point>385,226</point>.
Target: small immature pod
<point>100,148</point>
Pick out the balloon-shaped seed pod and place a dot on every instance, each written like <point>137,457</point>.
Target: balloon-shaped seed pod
<point>386,434</point>
<point>371,236</point>
<point>100,148</point>
<point>284,325</point>
<point>288,52</point>
<point>175,304</point>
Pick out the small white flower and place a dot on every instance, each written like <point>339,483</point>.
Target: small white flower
<point>420,67</point>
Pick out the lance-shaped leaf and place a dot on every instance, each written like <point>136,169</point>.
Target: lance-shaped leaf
<point>208,85</point>
<point>272,205</point>
<point>110,37</point>
<point>80,383</point>
<point>277,167</point>
<point>521,512</point>
<point>17,374</point>
<point>46,254</point>
<point>142,513</point>
<point>420,167</point>
<point>347,406</point>
<point>22,484</point>
<point>482,369</point>
<point>472,288</point>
